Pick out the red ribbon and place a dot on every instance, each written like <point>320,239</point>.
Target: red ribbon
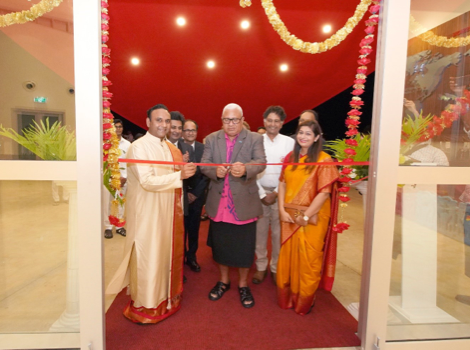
<point>163,162</point>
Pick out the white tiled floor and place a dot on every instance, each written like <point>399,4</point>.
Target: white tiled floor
<point>33,247</point>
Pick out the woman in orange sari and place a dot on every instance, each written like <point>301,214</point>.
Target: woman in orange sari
<point>305,195</point>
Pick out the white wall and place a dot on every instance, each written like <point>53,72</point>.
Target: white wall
<point>17,66</point>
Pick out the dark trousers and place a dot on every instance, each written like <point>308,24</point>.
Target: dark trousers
<point>192,222</point>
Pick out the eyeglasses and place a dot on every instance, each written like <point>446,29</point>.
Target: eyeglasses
<point>233,120</point>
<point>118,126</point>
<point>190,130</point>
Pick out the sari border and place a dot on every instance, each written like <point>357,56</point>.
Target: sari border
<point>330,248</point>
<point>332,182</point>
<point>290,236</point>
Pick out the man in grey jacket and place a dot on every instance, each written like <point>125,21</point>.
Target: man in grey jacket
<point>233,203</point>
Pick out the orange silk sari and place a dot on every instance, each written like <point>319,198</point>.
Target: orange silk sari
<point>166,309</point>
<point>302,262</point>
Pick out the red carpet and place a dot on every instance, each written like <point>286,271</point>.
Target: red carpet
<point>225,324</point>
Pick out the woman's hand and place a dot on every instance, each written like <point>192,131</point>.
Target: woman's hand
<point>285,216</point>
<point>300,221</point>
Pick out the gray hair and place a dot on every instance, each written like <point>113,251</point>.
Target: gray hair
<point>233,106</point>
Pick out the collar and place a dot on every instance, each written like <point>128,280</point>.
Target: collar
<point>152,138</point>
<point>232,141</point>
<point>269,139</point>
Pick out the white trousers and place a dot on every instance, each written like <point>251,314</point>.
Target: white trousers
<point>56,195</point>
<point>270,218</point>
<point>107,199</point>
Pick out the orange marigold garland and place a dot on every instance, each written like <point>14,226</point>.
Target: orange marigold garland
<point>111,151</point>
<point>353,119</point>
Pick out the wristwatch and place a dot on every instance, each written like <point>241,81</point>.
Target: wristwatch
<point>305,217</point>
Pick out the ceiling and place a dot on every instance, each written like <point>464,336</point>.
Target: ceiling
<point>173,59</point>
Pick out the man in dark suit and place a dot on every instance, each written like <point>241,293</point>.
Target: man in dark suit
<point>233,203</point>
<point>197,185</point>
<point>174,136</point>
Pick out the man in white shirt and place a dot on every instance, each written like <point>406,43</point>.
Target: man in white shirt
<point>276,146</point>
<point>107,197</point>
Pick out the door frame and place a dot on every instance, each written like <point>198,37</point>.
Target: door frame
<point>392,49</point>
<point>86,171</point>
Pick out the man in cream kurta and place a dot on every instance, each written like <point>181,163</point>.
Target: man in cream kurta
<point>154,249</point>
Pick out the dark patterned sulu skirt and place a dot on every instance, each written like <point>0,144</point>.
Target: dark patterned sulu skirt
<point>232,245</point>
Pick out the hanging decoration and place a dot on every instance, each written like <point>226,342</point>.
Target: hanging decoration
<point>421,129</point>
<point>30,15</point>
<point>305,46</point>
<point>437,40</point>
<point>354,115</point>
<point>353,119</point>
<point>111,151</point>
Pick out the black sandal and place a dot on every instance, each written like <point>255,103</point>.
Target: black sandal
<point>246,297</point>
<point>219,290</point>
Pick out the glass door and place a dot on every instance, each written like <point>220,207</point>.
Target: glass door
<point>418,294</point>
<point>50,209</point>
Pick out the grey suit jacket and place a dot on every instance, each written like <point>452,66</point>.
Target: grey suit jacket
<point>248,149</point>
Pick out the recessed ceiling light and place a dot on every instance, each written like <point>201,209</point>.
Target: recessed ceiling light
<point>181,21</point>
<point>135,61</point>
<point>210,64</point>
<point>283,67</point>
<point>245,24</point>
<point>326,28</point>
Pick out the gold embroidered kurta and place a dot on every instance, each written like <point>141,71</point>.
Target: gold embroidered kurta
<point>153,253</point>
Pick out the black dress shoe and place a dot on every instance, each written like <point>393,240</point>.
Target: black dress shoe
<point>193,265</point>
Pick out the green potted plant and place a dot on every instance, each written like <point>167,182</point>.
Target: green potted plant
<point>337,149</point>
<point>48,142</point>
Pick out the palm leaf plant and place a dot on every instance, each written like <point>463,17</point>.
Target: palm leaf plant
<point>337,149</point>
<point>48,142</point>
<point>412,132</point>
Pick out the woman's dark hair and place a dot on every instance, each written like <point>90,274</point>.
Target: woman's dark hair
<point>315,148</point>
